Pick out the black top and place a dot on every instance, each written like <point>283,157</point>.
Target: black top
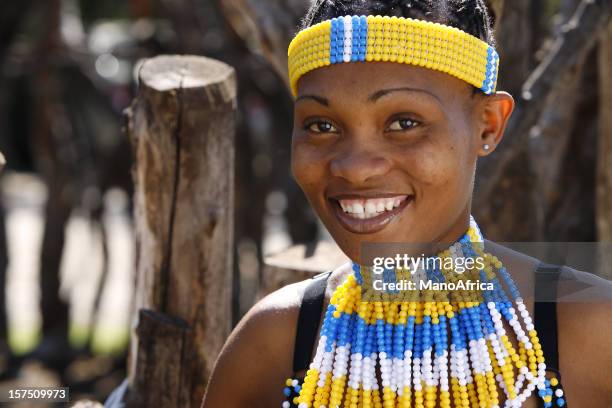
<point>545,319</point>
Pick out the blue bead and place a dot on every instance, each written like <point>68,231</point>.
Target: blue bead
<point>560,402</point>
<point>287,391</point>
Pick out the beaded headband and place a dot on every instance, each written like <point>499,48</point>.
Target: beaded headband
<point>395,39</point>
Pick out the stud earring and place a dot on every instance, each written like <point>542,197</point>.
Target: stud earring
<point>486,147</point>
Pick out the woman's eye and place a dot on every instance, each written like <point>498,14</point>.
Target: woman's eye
<point>321,126</point>
<point>403,124</point>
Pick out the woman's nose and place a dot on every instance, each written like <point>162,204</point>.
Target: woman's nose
<point>360,166</point>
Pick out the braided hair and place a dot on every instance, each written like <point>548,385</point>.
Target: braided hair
<point>471,16</point>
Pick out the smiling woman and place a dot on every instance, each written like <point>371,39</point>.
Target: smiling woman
<point>395,101</point>
<point>412,135</point>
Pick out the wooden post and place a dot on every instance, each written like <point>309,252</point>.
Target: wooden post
<point>604,149</point>
<point>181,126</point>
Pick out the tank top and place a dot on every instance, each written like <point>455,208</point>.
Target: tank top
<point>545,322</point>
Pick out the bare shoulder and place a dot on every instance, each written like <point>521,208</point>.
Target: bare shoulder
<point>585,330</point>
<point>587,305</point>
<point>256,358</point>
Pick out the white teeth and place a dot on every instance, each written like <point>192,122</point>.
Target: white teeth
<point>368,208</point>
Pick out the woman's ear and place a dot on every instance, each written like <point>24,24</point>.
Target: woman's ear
<point>496,110</point>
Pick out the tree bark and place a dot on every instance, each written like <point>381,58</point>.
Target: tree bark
<point>181,126</point>
<point>566,55</point>
<point>266,26</point>
<point>604,159</point>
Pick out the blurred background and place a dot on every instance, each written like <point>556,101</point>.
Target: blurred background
<point>67,72</point>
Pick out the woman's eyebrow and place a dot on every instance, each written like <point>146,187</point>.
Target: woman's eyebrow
<point>323,101</point>
<point>379,94</point>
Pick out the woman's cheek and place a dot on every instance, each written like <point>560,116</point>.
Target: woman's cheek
<point>431,164</point>
<point>307,169</point>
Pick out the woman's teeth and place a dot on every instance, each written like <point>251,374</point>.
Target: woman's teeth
<point>369,208</point>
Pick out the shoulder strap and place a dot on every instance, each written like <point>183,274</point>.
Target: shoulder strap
<point>308,321</point>
<point>545,312</point>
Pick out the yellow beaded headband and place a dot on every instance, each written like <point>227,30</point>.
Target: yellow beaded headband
<point>395,39</point>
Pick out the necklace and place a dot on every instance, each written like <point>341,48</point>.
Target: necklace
<point>423,348</point>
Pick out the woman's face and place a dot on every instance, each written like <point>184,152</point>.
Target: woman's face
<point>387,152</point>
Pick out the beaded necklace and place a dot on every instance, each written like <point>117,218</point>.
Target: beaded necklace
<point>423,353</point>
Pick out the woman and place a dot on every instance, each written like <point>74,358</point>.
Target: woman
<point>385,148</point>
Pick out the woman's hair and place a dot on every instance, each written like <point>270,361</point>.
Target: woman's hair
<point>471,16</point>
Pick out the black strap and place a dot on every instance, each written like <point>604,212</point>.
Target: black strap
<point>308,321</point>
<point>545,313</point>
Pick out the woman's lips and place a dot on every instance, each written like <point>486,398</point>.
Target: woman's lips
<point>368,215</point>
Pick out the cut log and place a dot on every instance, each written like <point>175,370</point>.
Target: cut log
<point>181,126</point>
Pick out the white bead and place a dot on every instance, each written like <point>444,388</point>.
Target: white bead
<point>559,392</point>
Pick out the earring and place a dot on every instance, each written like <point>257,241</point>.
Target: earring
<point>486,147</point>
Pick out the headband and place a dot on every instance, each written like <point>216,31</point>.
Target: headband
<point>396,39</point>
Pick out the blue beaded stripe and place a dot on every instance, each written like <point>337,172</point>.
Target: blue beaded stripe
<point>359,39</point>
<point>491,71</point>
<point>336,46</point>
<point>356,25</point>
<point>357,272</point>
<point>495,69</point>
<point>485,83</point>
<point>398,341</point>
<point>440,339</point>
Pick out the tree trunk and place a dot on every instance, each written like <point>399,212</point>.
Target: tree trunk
<point>182,130</point>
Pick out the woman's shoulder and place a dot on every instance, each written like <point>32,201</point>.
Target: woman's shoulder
<point>279,310</point>
<point>575,284</point>
<point>259,351</point>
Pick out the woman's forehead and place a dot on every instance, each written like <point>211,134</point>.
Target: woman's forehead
<point>362,80</point>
